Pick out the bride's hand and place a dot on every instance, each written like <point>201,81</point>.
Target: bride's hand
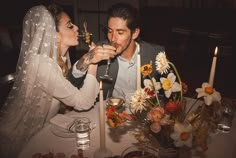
<point>92,46</point>
<point>99,53</point>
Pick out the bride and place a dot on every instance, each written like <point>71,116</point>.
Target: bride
<point>40,84</point>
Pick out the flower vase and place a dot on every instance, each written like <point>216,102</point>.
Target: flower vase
<point>140,151</point>
<point>167,148</point>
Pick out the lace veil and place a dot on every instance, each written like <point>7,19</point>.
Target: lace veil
<point>25,110</point>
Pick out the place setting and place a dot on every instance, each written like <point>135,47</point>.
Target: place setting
<point>67,126</point>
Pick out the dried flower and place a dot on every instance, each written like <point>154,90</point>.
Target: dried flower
<point>162,63</point>
<point>155,114</point>
<point>138,100</point>
<point>173,107</point>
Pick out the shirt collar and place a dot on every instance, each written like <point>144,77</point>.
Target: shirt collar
<point>137,50</point>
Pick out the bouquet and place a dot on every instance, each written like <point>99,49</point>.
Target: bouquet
<point>160,105</point>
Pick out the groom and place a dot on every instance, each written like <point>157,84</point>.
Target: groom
<point>123,28</point>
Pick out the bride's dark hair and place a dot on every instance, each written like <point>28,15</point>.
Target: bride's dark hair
<point>56,12</point>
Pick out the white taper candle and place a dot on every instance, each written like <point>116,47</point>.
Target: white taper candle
<point>138,72</point>
<point>213,68</point>
<point>102,119</point>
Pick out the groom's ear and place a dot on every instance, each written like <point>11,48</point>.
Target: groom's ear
<point>136,33</point>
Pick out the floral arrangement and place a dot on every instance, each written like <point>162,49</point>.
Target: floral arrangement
<point>160,105</point>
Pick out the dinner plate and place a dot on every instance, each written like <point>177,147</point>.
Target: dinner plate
<point>66,133</point>
<point>61,132</point>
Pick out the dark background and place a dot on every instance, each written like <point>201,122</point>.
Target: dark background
<point>190,36</point>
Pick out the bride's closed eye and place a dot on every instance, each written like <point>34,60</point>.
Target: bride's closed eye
<point>70,26</point>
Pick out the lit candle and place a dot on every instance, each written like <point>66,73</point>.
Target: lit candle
<point>102,118</point>
<point>138,71</point>
<point>213,68</point>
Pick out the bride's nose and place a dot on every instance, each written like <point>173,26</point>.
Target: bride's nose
<point>76,28</point>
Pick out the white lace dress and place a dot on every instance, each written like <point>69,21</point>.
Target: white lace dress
<point>39,85</point>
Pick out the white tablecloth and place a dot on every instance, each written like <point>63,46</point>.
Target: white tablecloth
<point>51,140</point>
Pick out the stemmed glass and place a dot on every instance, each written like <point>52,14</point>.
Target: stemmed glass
<point>106,76</point>
<point>116,98</point>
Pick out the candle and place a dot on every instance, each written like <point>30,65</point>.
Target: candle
<point>102,119</point>
<point>138,71</point>
<point>213,67</point>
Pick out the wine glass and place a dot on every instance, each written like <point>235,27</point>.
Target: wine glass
<point>116,97</point>
<point>106,76</point>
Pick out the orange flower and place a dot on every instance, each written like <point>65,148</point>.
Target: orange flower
<point>114,120</point>
<point>125,116</point>
<point>110,110</point>
<point>146,69</point>
<point>209,90</point>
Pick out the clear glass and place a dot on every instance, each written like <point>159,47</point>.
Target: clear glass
<point>106,76</point>
<point>82,129</point>
<point>227,116</point>
<point>116,97</point>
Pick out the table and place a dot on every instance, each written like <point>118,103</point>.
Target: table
<point>46,141</point>
<point>220,146</point>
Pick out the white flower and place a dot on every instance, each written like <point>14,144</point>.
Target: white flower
<point>169,85</point>
<point>208,93</point>
<point>162,64</point>
<point>182,134</point>
<point>138,100</point>
<point>152,84</point>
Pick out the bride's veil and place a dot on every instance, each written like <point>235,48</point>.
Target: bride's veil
<point>25,110</point>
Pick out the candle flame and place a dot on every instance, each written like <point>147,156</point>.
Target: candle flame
<point>216,50</point>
